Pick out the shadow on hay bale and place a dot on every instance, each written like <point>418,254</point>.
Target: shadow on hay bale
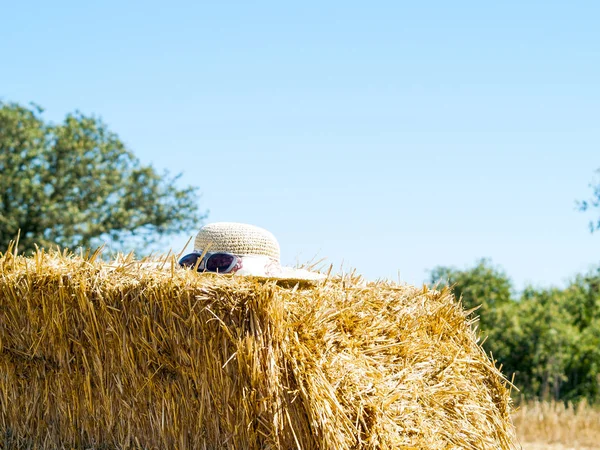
<point>94,355</point>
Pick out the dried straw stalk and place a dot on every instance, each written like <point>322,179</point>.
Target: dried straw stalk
<point>98,355</point>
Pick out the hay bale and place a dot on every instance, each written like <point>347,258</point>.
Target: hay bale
<point>103,356</point>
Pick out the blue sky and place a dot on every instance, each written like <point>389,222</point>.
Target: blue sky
<point>388,136</point>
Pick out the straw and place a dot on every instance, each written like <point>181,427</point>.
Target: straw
<point>105,355</point>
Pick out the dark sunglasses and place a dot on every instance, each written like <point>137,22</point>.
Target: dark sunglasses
<point>220,262</point>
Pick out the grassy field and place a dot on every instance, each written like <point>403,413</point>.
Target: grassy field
<point>554,426</point>
<point>555,446</point>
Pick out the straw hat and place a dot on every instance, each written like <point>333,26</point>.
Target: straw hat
<point>257,247</point>
<point>238,238</point>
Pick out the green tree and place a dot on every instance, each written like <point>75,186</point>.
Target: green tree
<point>488,291</point>
<point>593,203</point>
<point>75,183</point>
<point>484,286</point>
<point>549,339</point>
<point>582,302</point>
<point>583,298</point>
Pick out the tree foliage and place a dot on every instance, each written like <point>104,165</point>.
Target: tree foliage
<point>549,339</point>
<point>75,183</point>
<point>592,204</point>
<point>484,287</point>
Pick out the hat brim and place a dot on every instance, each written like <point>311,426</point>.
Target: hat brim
<point>291,278</point>
<point>258,267</point>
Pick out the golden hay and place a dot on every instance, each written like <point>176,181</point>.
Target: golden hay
<point>98,355</point>
<point>554,423</point>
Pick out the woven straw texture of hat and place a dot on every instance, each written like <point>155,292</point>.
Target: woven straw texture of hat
<point>237,238</point>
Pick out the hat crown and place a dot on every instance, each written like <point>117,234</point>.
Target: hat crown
<point>237,238</point>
